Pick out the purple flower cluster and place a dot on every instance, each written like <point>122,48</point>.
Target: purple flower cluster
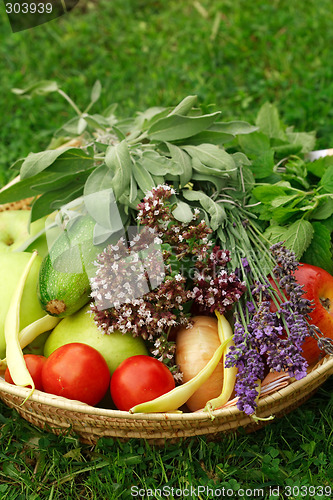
<point>132,293</point>
<point>270,338</point>
<point>216,289</point>
<point>146,284</point>
<point>250,367</point>
<point>185,239</point>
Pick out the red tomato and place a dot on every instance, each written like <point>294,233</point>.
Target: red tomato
<point>76,371</point>
<point>139,379</point>
<point>35,363</point>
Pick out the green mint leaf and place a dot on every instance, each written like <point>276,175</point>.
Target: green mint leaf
<point>307,140</point>
<point>285,150</point>
<point>324,209</point>
<point>283,215</point>
<point>328,223</point>
<point>177,127</point>
<point>298,237</point>
<point>268,192</point>
<point>254,144</point>
<point>268,122</point>
<point>262,165</point>
<point>319,252</point>
<point>319,166</point>
<point>283,200</point>
<point>275,234</point>
<point>327,179</point>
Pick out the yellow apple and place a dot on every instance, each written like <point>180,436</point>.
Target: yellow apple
<point>81,327</point>
<point>12,265</point>
<point>15,232</point>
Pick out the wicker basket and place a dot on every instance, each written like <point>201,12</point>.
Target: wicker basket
<point>60,415</point>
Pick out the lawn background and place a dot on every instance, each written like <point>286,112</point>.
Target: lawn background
<point>234,54</point>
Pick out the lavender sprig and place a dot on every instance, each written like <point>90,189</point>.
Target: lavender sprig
<point>267,337</point>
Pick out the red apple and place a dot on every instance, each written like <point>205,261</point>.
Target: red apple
<point>318,288</point>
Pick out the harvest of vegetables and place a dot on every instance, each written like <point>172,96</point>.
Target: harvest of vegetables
<point>200,248</point>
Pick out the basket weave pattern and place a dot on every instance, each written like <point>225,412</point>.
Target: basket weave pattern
<point>60,415</point>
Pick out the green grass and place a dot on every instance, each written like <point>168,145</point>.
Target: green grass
<point>293,452</point>
<point>232,53</point>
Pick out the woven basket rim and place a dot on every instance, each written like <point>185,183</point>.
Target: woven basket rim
<point>324,366</point>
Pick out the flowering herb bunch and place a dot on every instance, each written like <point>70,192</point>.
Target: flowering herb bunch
<point>271,321</point>
<point>189,269</point>
<point>269,330</point>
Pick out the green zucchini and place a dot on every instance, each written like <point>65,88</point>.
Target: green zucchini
<point>63,286</point>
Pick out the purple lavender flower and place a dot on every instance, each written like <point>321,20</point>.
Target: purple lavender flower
<point>250,368</point>
<point>267,337</point>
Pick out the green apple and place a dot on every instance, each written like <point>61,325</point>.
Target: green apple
<point>12,265</point>
<point>15,231</point>
<point>37,345</point>
<point>81,327</point>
